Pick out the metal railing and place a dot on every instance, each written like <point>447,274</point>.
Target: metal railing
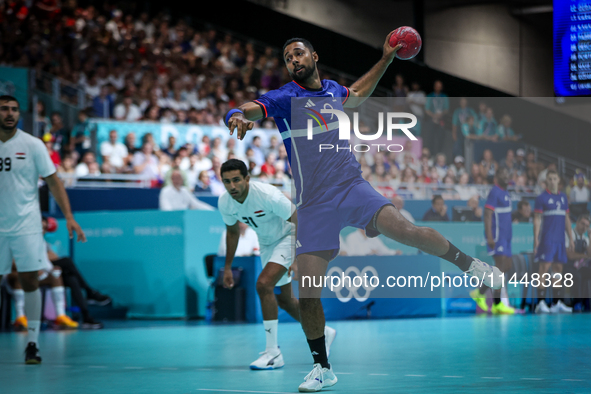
<point>131,181</point>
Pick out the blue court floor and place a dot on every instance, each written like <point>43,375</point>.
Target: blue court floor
<point>541,354</point>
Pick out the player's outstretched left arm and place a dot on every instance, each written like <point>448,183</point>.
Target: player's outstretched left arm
<point>364,86</point>
<point>241,119</point>
<point>61,197</point>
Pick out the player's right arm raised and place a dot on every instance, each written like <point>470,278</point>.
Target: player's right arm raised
<point>241,119</point>
<point>232,237</point>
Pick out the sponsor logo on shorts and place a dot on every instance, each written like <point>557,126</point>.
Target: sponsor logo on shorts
<point>298,244</point>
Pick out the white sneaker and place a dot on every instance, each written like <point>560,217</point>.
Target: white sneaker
<point>329,336</point>
<point>542,307</point>
<point>268,361</point>
<point>483,272</point>
<point>317,379</point>
<point>560,307</point>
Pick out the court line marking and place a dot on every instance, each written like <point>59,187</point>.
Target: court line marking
<point>204,369</point>
<point>379,374</point>
<point>491,377</point>
<point>97,366</point>
<point>168,369</point>
<point>532,379</point>
<point>133,367</point>
<point>573,380</point>
<point>418,376</point>
<point>344,373</point>
<point>453,376</point>
<point>239,370</point>
<point>246,391</point>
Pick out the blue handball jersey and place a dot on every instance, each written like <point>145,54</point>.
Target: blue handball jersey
<point>313,171</point>
<point>553,208</point>
<point>499,201</point>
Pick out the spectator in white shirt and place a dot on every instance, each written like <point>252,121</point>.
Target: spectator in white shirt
<point>399,204</point>
<point>579,193</point>
<point>145,161</point>
<point>176,197</point>
<point>358,244</point>
<point>113,152</point>
<point>83,168</point>
<point>248,243</point>
<point>416,100</point>
<point>127,110</point>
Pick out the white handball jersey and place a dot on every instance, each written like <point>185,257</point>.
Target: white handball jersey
<point>265,210</point>
<point>23,159</point>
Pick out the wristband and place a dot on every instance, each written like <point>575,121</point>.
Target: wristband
<point>230,113</point>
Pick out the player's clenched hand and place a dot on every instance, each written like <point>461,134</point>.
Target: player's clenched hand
<point>74,227</point>
<point>239,122</point>
<point>491,243</point>
<point>390,52</point>
<point>228,279</point>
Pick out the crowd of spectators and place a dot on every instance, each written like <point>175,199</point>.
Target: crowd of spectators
<point>149,69</point>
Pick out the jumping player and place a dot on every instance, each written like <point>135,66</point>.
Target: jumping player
<point>23,159</point>
<point>329,189</point>
<point>498,233</point>
<point>272,216</point>
<point>551,216</point>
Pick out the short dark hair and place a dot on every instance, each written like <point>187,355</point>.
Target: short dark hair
<point>6,97</point>
<point>522,203</point>
<point>551,172</point>
<point>234,164</point>
<point>584,216</point>
<point>306,43</point>
<point>435,198</point>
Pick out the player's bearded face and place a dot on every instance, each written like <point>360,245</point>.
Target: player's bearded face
<point>300,62</point>
<point>9,115</point>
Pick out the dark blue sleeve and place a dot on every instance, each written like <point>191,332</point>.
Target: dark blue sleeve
<point>275,103</point>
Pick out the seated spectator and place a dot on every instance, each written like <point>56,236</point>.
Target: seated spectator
<point>130,143</point>
<point>114,153</point>
<point>102,105</point>
<point>476,209</point>
<point>203,182</point>
<point>67,166</point>
<point>80,137</point>
<point>482,107</point>
<point>185,163</point>
<point>488,166</point>
<point>580,192</point>
<point>542,174</point>
<point>248,243</point>
<point>523,213</point>
<point>83,168</point>
<point>175,166</point>
<point>458,167</point>
<point>509,162</point>
<point>152,114</point>
<point>269,166</point>
<point>359,244</point>
<point>55,156</point>
<point>520,167</point>
<point>61,135</point>
<point>218,150</point>
<point>533,168</point>
<point>437,212</point>
<point>257,150</point>
<point>488,126</point>
<point>205,146</point>
<point>215,177</point>
<point>399,204</point>
<point>127,110</point>
<point>145,162</point>
<point>504,131</point>
<point>578,262</point>
<point>464,190</point>
<point>177,197</point>
<point>170,149</point>
<point>448,192</point>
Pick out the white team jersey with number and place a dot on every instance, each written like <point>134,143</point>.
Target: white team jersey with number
<point>265,210</point>
<point>23,159</point>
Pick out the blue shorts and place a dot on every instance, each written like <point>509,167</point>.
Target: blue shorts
<point>552,252</point>
<point>321,220</point>
<point>502,248</point>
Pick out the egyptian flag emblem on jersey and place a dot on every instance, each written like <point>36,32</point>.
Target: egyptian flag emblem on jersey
<point>20,156</point>
<point>260,213</point>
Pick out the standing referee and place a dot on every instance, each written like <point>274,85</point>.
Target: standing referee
<point>23,159</point>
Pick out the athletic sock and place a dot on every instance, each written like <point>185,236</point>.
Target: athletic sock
<point>497,301</point>
<point>19,302</point>
<point>497,296</point>
<point>58,295</point>
<point>33,313</point>
<point>271,335</point>
<point>318,349</point>
<point>457,257</point>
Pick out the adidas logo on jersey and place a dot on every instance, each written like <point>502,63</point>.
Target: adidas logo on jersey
<point>309,104</point>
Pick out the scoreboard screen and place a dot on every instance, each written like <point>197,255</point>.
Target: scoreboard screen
<point>572,48</point>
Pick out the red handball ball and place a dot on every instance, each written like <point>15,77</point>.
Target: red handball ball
<point>411,42</point>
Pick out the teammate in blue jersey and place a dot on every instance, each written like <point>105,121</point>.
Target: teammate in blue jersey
<point>551,217</point>
<point>330,191</point>
<point>498,233</point>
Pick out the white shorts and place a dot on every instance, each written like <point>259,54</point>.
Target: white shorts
<point>28,251</point>
<point>279,253</point>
